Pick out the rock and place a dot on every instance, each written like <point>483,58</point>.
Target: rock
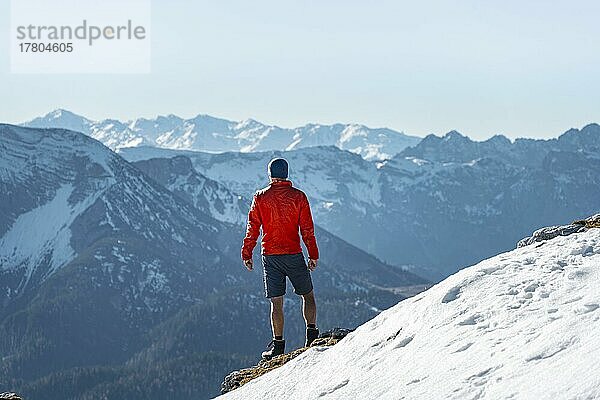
<point>10,396</point>
<point>564,230</point>
<point>238,378</point>
<point>591,222</point>
<point>550,233</point>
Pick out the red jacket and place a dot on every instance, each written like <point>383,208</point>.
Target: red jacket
<point>280,209</point>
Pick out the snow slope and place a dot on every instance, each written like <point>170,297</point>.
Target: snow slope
<point>521,325</point>
<point>28,248</point>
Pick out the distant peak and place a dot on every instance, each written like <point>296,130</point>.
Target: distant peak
<point>210,119</point>
<point>169,116</point>
<point>590,130</point>
<point>61,112</point>
<point>431,138</point>
<point>499,139</point>
<point>59,118</point>
<point>593,126</point>
<point>454,135</point>
<point>250,122</point>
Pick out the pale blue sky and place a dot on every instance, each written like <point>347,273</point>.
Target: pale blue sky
<point>521,68</point>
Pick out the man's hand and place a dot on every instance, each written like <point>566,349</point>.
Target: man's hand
<point>249,264</point>
<point>312,264</point>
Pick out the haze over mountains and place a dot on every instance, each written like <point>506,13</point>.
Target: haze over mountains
<point>206,133</point>
<point>113,262</point>
<point>107,268</point>
<point>481,197</point>
<point>438,206</point>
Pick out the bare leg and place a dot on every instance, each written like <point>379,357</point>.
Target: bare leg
<point>309,308</point>
<point>277,315</point>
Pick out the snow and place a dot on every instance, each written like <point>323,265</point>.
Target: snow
<point>27,248</point>
<point>521,325</point>
<point>327,205</point>
<point>210,134</point>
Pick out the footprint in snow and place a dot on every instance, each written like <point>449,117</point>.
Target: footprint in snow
<point>531,287</point>
<point>573,300</point>
<point>586,308</point>
<point>585,249</point>
<point>543,294</point>
<point>496,269</point>
<point>480,374</point>
<point>404,342</point>
<point>547,353</point>
<point>463,347</point>
<point>472,320</point>
<point>481,378</point>
<point>576,275</point>
<point>389,338</point>
<point>333,389</point>
<point>417,380</point>
<point>451,295</point>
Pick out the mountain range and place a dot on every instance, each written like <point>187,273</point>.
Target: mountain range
<point>435,207</point>
<point>207,133</point>
<point>108,267</point>
<point>481,197</point>
<point>111,261</point>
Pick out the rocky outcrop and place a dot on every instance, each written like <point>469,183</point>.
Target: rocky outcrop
<point>239,378</point>
<point>10,396</point>
<point>564,230</point>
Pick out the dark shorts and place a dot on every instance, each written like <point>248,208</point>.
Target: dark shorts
<point>277,267</point>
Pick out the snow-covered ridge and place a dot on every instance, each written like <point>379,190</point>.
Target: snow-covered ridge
<point>206,133</point>
<point>178,175</point>
<point>61,190</point>
<point>522,325</point>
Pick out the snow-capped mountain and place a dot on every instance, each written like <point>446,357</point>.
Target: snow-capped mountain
<point>446,202</point>
<point>183,180</point>
<point>105,269</point>
<point>332,178</point>
<point>62,192</point>
<point>524,325</point>
<point>178,175</point>
<point>206,133</point>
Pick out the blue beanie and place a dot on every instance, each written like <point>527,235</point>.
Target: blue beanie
<point>278,168</point>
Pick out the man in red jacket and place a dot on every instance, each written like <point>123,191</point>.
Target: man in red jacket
<point>281,210</point>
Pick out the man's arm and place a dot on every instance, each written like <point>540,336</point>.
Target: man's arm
<point>252,233</point>
<point>307,230</point>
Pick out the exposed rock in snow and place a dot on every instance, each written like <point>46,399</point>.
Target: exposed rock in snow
<point>565,230</point>
<point>9,396</point>
<point>522,325</point>
<point>239,378</point>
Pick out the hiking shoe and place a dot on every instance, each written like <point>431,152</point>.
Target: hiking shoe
<point>274,349</point>
<point>311,335</point>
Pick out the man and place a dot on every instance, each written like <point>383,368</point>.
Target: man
<point>281,210</point>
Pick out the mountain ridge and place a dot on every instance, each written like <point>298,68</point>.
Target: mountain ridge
<point>206,133</point>
<point>145,276</point>
<point>481,197</point>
